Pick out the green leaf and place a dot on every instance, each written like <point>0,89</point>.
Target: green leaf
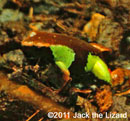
<point>98,67</point>
<point>61,65</point>
<point>90,62</point>
<point>63,55</point>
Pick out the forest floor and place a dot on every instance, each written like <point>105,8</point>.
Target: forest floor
<point>32,84</point>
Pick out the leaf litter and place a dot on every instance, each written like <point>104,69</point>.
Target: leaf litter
<point>29,73</point>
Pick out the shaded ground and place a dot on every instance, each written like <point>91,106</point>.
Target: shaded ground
<point>29,77</point>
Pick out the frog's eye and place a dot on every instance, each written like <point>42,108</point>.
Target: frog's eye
<point>98,67</point>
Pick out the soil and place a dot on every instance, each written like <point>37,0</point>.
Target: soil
<point>32,85</point>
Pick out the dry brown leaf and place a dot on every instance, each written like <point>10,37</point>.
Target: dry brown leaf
<point>118,76</point>
<point>91,28</point>
<point>104,98</point>
<point>45,39</point>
